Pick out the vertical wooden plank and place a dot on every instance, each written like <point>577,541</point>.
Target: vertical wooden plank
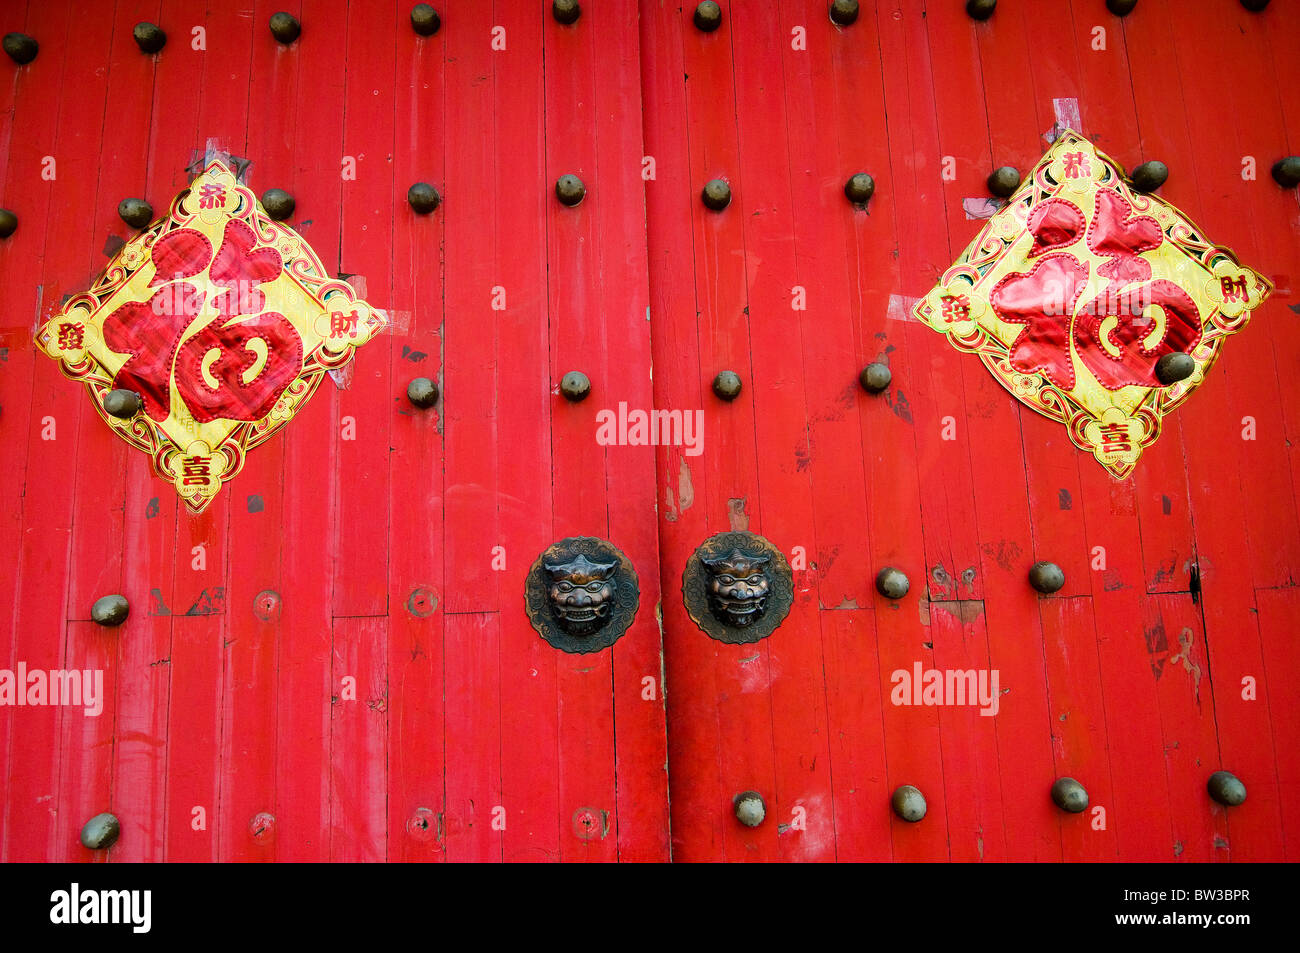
<point>1187,715</point>
<point>312,497</point>
<point>415,566</point>
<point>361,549</point>
<point>86,741</point>
<point>701,812</point>
<point>1279,612</point>
<point>471,437</point>
<point>359,741</point>
<point>183,131</point>
<point>41,550</point>
<point>640,741</point>
<point>1079,725</point>
<point>780,240</point>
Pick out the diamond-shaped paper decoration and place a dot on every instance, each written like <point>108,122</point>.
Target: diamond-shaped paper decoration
<point>1073,292</point>
<point>222,320</point>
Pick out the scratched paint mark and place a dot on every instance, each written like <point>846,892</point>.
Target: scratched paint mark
<point>1157,648</point>
<point>1004,553</point>
<point>1063,499</point>
<point>965,611</point>
<point>413,356</point>
<point>255,503</point>
<point>1184,657</point>
<point>1166,505</point>
<point>803,452</point>
<point>159,606</point>
<point>897,402</point>
<point>736,515</point>
<point>685,488</point>
<point>1067,117</point>
<point>981,207</point>
<point>151,508</point>
<point>112,245</point>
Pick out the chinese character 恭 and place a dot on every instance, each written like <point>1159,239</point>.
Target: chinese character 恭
<point>71,336</point>
<point>212,196</point>
<point>1076,164</point>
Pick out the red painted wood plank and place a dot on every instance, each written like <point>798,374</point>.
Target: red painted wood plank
<point>640,741</point>
<point>891,434</point>
<point>1187,715</point>
<point>87,741</point>
<point>1080,729</point>
<point>779,239</point>
<point>701,811</point>
<point>312,497</point>
<point>41,551</point>
<point>473,753</point>
<point>361,550</point>
<point>1141,815</point>
<point>415,566</point>
<point>1279,611</point>
<point>178,129</point>
<point>359,741</point>
<point>730,460</point>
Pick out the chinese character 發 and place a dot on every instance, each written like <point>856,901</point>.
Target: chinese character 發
<point>71,335</point>
<point>955,307</point>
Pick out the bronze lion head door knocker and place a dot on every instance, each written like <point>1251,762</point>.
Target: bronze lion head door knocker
<point>581,594</point>
<point>738,587</point>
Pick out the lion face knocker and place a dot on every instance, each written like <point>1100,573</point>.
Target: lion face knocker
<point>738,587</point>
<point>581,594</point>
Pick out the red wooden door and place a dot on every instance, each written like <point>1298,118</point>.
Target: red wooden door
<point>332,660</point>
<point>1164,658</point>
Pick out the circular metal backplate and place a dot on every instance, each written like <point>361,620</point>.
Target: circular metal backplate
<point>695,587</point>
<point>537,601</point>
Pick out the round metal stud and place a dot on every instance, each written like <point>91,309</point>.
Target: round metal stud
<point>1174,367</point>
<point>1003,182</point>
<point>716,195</point>
<point>708,16</point>
<point>892,583</point>
<point>110,610</point>
<point>569,189</point>
<point>908,803</point>
<point>123,403</point>
<point>1046,577</point>
<point>566,11</point>
<point>575,386</point>
<point>1149,176</point>
<point>749,807</point>
<point>980,9</point>
<point>135,212</point>
<point>727,385</point>
<point>101,832</point>
<point>149,37</point>
<point>859,188</point>
<point>875,377</point>
<point>1226,788</point>
<point>278,203</point>
<point>1069,795</point>
<point>425,20</point>
<point>424,198</point>
<point>22,49</point>
<point>422,392</point>
<point>1121,8</point>
<point>1286,172</point>
<point>8,222</point>
<point>1254,6</point>
<point>844,12</point>
<point>285,27</point>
